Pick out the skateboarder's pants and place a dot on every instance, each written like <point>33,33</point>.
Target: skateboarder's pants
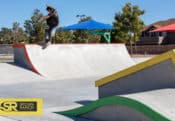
<point>48,32</point>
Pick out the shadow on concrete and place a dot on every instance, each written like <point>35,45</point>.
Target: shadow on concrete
<point>84,102</point>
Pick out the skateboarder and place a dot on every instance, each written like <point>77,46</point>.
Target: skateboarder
<point>52,21</point>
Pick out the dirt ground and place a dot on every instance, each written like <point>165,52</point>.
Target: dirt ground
<point>141,55</point>
<point>6,58</point>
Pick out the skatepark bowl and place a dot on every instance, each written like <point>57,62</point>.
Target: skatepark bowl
<point>90,82</point>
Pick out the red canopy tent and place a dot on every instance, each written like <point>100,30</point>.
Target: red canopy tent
<point>169,28</point>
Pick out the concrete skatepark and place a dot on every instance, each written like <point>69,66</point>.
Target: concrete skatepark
<point>64,76</point>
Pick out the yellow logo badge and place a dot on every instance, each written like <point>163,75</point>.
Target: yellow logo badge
<point>20,106</point>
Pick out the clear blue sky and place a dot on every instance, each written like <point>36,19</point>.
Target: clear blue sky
<point>100,10</point>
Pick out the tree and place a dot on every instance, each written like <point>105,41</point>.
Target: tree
<point>18,34</point>
<point>85,18</point>
<point>128,24</point>
<point>81,36</point>
<point>63,36</point>
<point>35,27</point>
<point>6,36</point>
<point>85,36</point>
<point>15,29</point>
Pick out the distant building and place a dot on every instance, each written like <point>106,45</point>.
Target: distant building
<point>157,38</point>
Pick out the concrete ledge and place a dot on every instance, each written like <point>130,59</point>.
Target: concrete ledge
<point>156,60</point>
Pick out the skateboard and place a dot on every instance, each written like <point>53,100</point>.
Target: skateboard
<point>45,45</point>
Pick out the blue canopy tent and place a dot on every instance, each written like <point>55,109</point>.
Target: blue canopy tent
<point>88,25</point>
<point>91,25</point>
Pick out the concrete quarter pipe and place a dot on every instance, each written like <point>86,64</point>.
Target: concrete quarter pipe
<point>73,61</point>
